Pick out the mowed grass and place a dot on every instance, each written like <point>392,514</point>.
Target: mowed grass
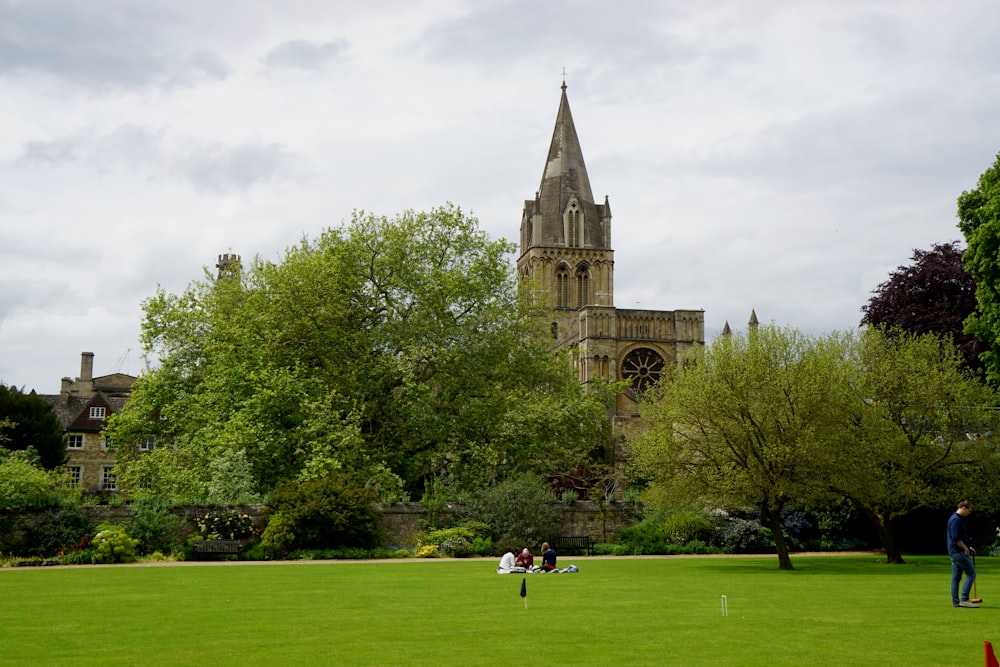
<point>832,610</point>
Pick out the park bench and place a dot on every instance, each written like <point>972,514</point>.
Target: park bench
<point>581,543</point>
<point>217,547</point>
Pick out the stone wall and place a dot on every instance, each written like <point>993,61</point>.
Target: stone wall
<point>401,521</point>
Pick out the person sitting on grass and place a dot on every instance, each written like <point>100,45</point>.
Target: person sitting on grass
<point>525,559</point>
<point>548,558</point>
<point>506,563</point>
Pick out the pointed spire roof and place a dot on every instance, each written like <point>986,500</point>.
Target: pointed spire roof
<point>565,172</point>
<point>753,323</point>
<point>565,177</point>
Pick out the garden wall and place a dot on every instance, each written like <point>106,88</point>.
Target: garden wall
<point>401,521</point>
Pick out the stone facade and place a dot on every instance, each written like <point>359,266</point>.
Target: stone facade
<point>568,262</point>
<point>83,406</point>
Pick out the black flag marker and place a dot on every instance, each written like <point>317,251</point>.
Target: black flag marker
<point>524,587</point>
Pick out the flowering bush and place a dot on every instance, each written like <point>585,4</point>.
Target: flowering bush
<point>225,525</point>
<point>112,544</point>
<point>427,551</point>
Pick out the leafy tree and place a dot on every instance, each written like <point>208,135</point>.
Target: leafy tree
<point>979,221</point>
<point>31,422</point>
<point>386,347</point>
<point>919,427</point>
<point>744,421</point>
<point>933,295</point>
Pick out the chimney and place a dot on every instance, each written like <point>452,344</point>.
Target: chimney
<point>87,366</point>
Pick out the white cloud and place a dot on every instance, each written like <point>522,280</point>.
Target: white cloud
<point>777,156</point>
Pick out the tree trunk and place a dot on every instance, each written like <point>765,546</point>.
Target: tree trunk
<point>883,522</point>
<point>772,519</point>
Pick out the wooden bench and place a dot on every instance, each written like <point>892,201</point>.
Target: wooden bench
<point>581,543</point>
<point>217,547</point>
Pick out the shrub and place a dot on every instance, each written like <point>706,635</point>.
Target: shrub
<point>155,526</point>
<point>745,536</point>
<point>23,486</point>
<point>520,510</point>
<point>225,524</point>
<point>324,512</point>
<point>456,547</point>
<point>112,544</point>
<point>683,527</point>
<point>57,531</point>
<point>427,551</point>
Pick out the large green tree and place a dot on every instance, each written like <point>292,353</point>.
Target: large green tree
<point>979,221</point>
<point>394,348</point>
<point>934,294</point>
<point>919,425</point>
<point>744,421</point>
<point>31,422</point>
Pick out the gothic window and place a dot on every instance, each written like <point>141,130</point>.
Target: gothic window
<point>574,231</point>
<point>562,287</point>
<point>643,366</point>
<point>582,286</point>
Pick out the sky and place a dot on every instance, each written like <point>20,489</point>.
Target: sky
<point>783,157</point>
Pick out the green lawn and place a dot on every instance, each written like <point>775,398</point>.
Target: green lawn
<point>832,610</point>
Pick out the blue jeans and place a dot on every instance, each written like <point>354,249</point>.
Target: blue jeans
<point>961,563</point>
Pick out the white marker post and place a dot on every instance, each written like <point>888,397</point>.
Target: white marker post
<point>725,606</point>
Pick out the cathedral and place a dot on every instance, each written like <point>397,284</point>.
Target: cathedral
<point>566,253</point>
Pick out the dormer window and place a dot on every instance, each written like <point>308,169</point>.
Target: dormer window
<point>97,413</point>
<point>574,228</point>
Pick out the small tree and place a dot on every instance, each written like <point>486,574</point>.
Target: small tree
<point>28,420</point>
<point>744,422</point>
<point>934,295</point>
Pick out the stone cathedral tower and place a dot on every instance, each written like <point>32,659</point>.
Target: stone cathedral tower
<point>566,252</point>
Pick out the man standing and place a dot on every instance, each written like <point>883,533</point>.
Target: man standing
<point>960,550</point>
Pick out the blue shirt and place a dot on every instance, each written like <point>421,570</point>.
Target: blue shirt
<point>956,534</point>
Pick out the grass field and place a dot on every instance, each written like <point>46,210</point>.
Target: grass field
<point>832,610</point>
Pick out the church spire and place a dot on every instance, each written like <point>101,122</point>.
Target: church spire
<point>564,213</point>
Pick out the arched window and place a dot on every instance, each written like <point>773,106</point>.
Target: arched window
<point>562,287</point>
<point>582,286</point>
<point>574,230</point>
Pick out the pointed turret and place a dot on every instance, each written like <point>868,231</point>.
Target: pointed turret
<point>753,323</point>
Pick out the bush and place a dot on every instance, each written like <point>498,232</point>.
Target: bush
<point>322,513</point>
<point>520,510</point>
<point>57,531</point>
<point>155,526</point>
<point>112,544</point>
<point>456,547</point>
<point>668,533</point>
<point>225,524</point>
<point>25,487</point>
<point>745,536</point>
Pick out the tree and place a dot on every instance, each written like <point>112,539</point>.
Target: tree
<point>385,347</point>
<point>31,423</point>
<point>921,425</point>
<point>979,221</point>
<point>933,295</point>
<point>745,421</point>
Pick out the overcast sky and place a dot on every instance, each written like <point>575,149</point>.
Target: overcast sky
<point>781,156</point>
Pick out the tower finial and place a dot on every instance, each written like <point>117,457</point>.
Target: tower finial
<point>564,79</point>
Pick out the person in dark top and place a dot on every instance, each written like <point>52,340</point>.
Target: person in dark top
<point>548,557</point>
<point>960,550</point>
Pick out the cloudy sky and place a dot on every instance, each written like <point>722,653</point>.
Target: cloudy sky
<point>782,156</point>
